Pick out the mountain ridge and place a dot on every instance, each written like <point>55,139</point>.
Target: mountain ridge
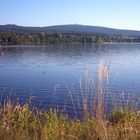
<point>69,28</point>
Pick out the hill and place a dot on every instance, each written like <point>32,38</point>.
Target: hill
<point>13,34</point>
<point>73,28</point>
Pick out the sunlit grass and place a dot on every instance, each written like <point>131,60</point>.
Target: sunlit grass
<point>18,122</point>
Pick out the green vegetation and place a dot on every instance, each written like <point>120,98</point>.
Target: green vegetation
<point>52,38</point>
<point>20,123</point>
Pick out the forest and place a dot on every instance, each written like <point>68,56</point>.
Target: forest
<point>60,37</point>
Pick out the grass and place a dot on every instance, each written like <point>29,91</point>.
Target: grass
<point>21,123</point>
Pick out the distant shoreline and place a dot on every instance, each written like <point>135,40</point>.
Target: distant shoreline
<point>13,34</point>
<point>43,43</point>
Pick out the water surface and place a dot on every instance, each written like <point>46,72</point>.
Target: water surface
<point>47,72</point>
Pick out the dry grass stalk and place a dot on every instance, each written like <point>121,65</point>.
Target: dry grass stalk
<point>100,91</point>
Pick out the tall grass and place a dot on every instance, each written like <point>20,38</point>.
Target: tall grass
<point>21,123</point>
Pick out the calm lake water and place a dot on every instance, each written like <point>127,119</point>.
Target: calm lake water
<point>48,73</point>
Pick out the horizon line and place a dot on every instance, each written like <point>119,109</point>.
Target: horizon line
<point>70,24</point>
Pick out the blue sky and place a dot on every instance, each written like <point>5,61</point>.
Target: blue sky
<point>110,13</point>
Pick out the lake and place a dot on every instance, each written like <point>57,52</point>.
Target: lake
<point>52,74</point>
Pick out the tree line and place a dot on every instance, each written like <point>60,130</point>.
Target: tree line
<point>52,38</point>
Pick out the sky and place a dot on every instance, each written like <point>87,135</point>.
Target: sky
<point>121,14</point>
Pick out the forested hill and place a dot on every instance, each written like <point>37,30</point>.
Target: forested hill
<point>74,28</point>
<point>66,33</point>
